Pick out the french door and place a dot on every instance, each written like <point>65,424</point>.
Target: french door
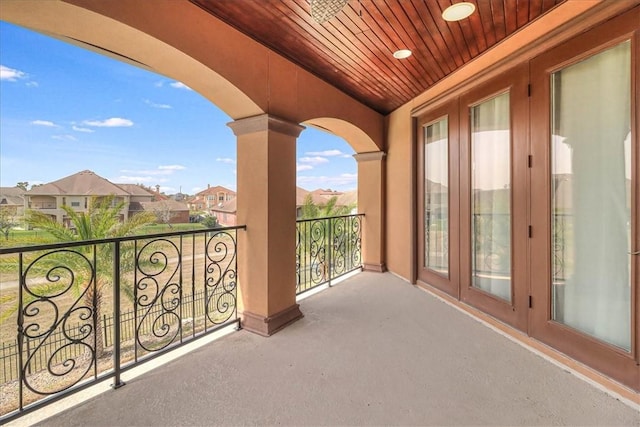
<point>584,192</point>
<point>472,162</point>
<point>493,202</point>
<point>438,190</point>
<point>529,197</point>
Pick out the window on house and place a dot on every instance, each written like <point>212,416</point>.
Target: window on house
<point>75,204</point>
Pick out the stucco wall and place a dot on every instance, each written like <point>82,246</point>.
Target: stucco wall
<point>399,192</point>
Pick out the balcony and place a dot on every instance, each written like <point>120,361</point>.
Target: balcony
<point>43,206</point>
<point>372,350</point>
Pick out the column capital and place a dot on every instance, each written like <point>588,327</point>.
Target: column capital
<point>265,122</point>
<point>372,155</point>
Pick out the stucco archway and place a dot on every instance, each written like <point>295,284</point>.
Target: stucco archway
<point>353,135</point>
<point>115,39</point>
<point>177,39</point>
<point>265,94</point>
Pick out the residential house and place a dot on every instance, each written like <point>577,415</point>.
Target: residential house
<point>321,197</point>
<point>208,199</point>
<point>76,191</point>
<point>168,211</point>
<point>225,212</point>
<point>11,198</point>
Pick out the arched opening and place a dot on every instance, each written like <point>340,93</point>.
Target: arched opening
<point>110,37</point>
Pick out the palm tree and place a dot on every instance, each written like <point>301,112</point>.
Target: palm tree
<point>100,221</point>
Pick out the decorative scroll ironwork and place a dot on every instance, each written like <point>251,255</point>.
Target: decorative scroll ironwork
<point>157,294</point>
<point>326,248</point>
<point>176,286</point>
<point>220,277</point>
<point>44,283</point>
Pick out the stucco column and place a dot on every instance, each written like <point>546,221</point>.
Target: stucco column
<point>371,202</point>
<point>266,204</point>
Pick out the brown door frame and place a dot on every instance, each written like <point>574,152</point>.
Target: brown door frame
<point>613,361</point>
<point>449,283</point>
<point>514,313</point>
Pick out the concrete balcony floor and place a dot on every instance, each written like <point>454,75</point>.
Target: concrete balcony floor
<point>373,350</point>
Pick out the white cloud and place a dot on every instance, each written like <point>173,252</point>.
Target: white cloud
<point>79,129</point>
<point>65,137</point>
<point>300,167</point>
<point>46,123</point>
<point>154,105</point>
<point>226,160</point>
<point>169,190</point>
<point>326,153</point>
<point>195,190</point>
<point>11,75</point>
<point>171,167</point>
<point>32,84</point>
<point>179,85</point>
<point>162,170</point>
<point>109,123</point>
<point>343,180</point>
<point>159,84</point>
<point>313,160</point>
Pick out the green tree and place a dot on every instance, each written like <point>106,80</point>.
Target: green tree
<point>7,221</point>
<point>311,210</point>
<point>100,221</point>
<point>210,222</point>
<point>23,185</point>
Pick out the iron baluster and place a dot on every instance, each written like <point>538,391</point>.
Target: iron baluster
<point>117,383</point>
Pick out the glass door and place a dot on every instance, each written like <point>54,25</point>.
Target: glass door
<point>584,202</point>
<point>493,209</point>
<point>491,196</point>
<point>438,193</point>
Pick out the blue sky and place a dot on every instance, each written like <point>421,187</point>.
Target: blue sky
<point>64,109</point>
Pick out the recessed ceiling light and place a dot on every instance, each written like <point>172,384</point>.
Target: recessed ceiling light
<point>458,11</point>
<point>402,54</point>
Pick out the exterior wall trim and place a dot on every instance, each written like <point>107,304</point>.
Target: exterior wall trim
<point>267,326</point>
<point>265,122</point>
<point>372,155</point>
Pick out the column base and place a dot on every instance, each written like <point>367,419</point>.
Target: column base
<point>378,268</point>
<point>267,326</point>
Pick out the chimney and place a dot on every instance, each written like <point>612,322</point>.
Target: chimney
<point>208,186</point>
<point>157,189</point>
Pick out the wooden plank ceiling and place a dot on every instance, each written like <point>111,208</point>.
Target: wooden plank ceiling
<point>354,50</point>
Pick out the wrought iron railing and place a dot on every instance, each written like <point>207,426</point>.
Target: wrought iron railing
<point>72,301</point>
<point>327,248</point>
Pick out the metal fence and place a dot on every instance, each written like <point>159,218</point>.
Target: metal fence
<point>327,248</point>
<point>86,311</point>
<point>10,364</point>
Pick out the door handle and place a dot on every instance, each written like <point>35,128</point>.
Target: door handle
<point>634,253</point>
